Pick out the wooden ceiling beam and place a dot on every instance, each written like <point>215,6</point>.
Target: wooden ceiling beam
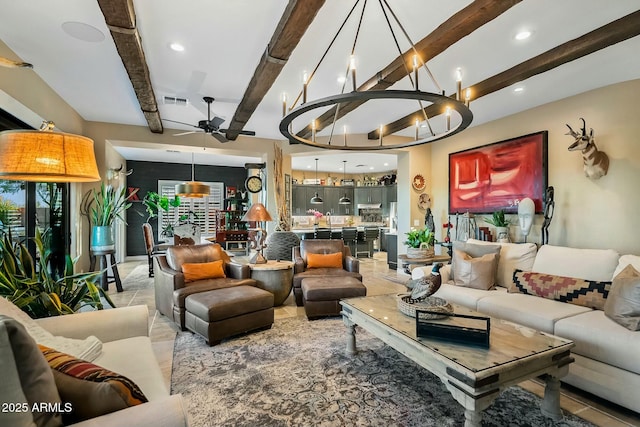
<point>458,26</point>
<point>607,35</point>
<point>120,17</point>
<point>294,22</point>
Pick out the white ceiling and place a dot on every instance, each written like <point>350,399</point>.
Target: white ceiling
<point>224,40</point>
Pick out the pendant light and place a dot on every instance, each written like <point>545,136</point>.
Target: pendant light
<point>316,200</point>
<point>193,188</point>
<point>344,200</point>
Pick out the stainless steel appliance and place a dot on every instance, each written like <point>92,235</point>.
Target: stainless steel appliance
<point>393,216</point>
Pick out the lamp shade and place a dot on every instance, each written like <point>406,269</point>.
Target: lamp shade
<point>192,189</point>
<point>257,212</point>
<point>27,155</point>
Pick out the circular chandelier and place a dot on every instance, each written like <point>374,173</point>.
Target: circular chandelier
<point>431,104</point>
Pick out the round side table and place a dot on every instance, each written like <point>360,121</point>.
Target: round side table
<point>275,277</point>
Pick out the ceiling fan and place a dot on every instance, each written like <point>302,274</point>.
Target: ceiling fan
<point>211,125</point>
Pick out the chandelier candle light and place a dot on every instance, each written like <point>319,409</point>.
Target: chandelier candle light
<point>430,103</point>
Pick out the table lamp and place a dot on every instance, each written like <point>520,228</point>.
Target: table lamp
<point>258,213</point>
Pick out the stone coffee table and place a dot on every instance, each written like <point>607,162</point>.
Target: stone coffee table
<point>474,376</point>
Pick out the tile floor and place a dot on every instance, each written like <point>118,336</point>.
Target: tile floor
<point>163,332</point>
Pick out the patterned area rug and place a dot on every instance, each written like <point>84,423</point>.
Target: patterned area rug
<point>297,374</point>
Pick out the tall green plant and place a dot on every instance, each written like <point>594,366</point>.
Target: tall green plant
<point>105,206</point>
<point>35,290</point>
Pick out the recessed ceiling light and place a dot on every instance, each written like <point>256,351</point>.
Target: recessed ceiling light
<point>518,89</point>
<point>342,79</point>
<point>386,164</point>
<point>177,47</point>
<point>523,35</point>
<point>308,166</point>
<point>370,168</point>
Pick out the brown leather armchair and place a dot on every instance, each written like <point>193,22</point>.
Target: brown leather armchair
<point>350,265</point>
<point>170,287</point>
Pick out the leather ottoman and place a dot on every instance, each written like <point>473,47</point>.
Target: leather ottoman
<point>221,313</point>
<point>321,295</point>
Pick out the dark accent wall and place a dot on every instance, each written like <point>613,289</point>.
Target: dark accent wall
<point>145,176</point>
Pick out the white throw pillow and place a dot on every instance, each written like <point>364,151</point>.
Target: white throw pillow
<point>513,256</point>
<point>625,260</point>
<point>87,349</point>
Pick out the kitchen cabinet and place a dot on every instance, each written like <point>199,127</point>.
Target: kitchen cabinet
<point>389,194</point>
<point>368,195</point>
<point>301,196</point>
<point>332,196</point>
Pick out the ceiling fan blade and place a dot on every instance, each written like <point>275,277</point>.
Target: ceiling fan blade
<point>182,123</point>
<point>216,122</point>
<point>220,137</point>
<point>241,132</point>
<point>186,133</point>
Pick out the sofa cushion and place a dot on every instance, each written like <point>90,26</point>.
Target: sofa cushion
<point>26,378</point>
<point>87,349</point>
<point>623,303</point>
<point>333,260</point>
<point>478,273</point>
<point>90,390</point>
<point>513,256</point>
<point>600,338</point>
<point>527,310</point>
<point>589,264</point>
<point>625,260</point>
<point>589,293</point>
<point>203,270</point>
<point>467,297</point>
<point>143,369</point>
<point>473,250</point>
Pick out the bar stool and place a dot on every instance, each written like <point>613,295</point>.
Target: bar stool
<point>349,237</point>
<point>322,233</point>
<point>368,236</point>
<point>106,258</point>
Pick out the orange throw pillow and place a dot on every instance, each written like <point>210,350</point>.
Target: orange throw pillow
<point>203,270</point>
<point>333,260</point>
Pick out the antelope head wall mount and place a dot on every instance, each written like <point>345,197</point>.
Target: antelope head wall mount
<point>596,163</point>
<point>115,173</point>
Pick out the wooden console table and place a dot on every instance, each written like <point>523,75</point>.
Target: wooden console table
<point>409,264</point>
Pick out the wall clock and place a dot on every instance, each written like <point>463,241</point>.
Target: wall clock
<point>419,183</point>
<point>253,184</point>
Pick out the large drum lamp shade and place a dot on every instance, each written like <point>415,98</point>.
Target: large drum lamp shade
<point>27,155</point>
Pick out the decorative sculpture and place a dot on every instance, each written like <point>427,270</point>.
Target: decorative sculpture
<point>526,210</point>
<point>596,163</point>
<point>548,214</point>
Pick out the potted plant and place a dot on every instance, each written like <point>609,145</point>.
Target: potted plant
<point>153,202</point>
<point>420,243</point>
<point>501,223</point>
<point>102,208</point>
<point>37,291</point>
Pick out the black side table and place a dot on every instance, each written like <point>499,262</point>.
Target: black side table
<point>106,258</point>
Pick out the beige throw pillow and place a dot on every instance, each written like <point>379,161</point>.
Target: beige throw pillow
<point>623,303</point>
<point>474,251</point>
<point>477,273</point>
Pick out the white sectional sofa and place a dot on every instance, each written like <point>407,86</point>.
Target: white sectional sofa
<point>606,353</point>
<point>126,350</point>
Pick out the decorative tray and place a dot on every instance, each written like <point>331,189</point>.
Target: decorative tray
<point>438,307</point>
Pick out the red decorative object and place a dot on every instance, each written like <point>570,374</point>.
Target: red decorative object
<point>497,176</point>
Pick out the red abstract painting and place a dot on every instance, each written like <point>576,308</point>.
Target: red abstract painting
<point>499,175</point>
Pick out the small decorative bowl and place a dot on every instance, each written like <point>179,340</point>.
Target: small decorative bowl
<point>408,306</point>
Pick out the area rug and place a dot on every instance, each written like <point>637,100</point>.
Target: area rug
<point>297,374</point>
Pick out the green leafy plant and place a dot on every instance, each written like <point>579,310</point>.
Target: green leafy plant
<point>419,238</point>
<point>6,206</point>
<point>35,290</point>
<point>498,219</point>
<point>153,202</point>
<point>104,206</point>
